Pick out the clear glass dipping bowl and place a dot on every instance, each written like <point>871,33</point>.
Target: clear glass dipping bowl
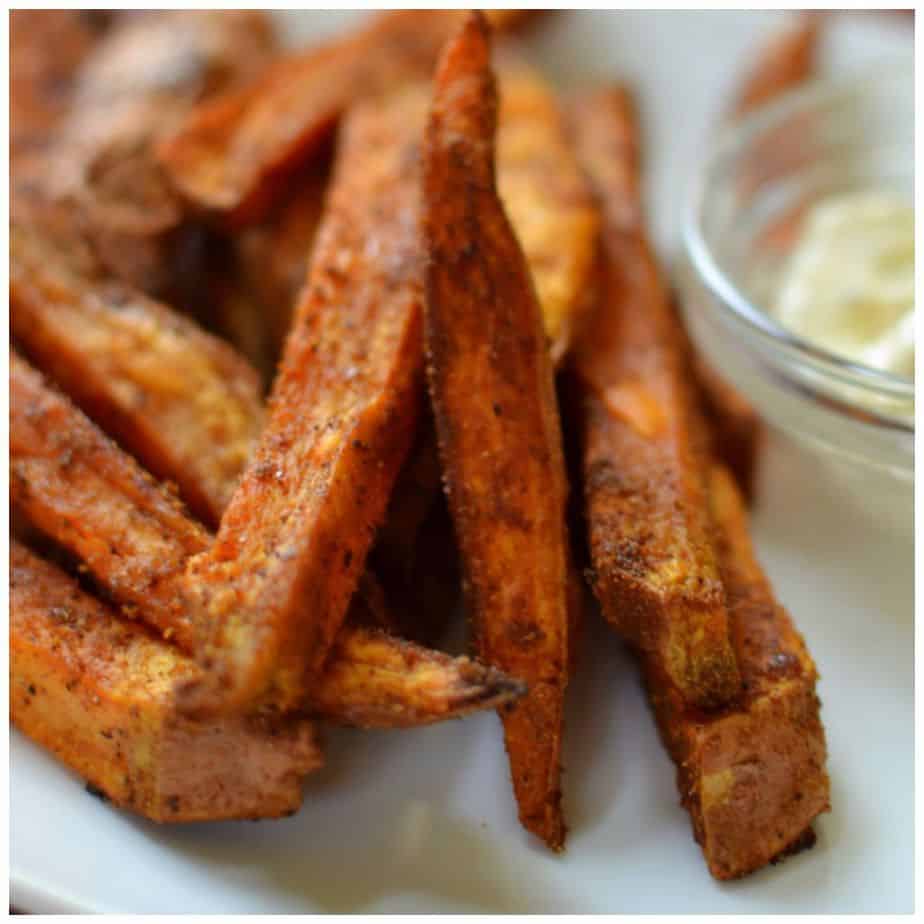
<point>742,221</point>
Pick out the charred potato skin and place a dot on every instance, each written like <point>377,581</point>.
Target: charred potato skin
<point>491,385</point>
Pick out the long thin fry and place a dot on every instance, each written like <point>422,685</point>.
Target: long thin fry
<point>181,400</point>
<point>135,539</point>
<point>491,383</point>
<point>548,200</point>
<point>231,155</point>
<point>98,692</point>
<point>752,775</point>
<point>81,490</point>
<point>273,590</point>
<point>375,681</point>
<point>645,452</point>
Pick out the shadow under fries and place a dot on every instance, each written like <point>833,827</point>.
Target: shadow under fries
<point>409,845</point>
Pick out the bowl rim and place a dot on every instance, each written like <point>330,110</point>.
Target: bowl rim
<point>731,140</point>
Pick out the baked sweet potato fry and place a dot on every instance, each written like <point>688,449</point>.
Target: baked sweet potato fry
<point>548,201</point>
<point>231,156</point>
<point>133,537</point>
<point>272,591</point>
<point>645,449</point>
<point>98,692</point>
<point>375,681</point>
<point>82,491</point>
<point>752,775</point>
<point>181,400</point>
<point>491,384</point>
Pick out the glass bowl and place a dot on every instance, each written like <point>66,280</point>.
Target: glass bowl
<point>743,219</point>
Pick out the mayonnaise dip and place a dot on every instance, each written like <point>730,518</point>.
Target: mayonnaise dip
<point>849,283</point>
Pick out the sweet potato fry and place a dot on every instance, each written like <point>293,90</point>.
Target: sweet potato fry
<point>81,490</point>
<point>182,401</point>
<point>375,681</point>
<point>230,156</point>
<point>753,775</point>
<point>91,499</point>
<point>98,692</point>
<point>491,384</point>
<point>645,452</point>
<point>549,203</point>
<point>272,591</point>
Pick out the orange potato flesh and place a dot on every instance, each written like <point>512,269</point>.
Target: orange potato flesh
<point>491,385</point>
<point>645,448</point>
<point>752,775</point>
<point>98,692</point>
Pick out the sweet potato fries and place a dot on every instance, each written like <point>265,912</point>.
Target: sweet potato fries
<point>410,252</point>
<point>272,591</point>
<point>497,421</point>
<point>645,449</point>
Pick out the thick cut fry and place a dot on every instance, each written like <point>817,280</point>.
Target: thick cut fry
<point>134,538</point>
<point>645,452</point>
<point>491,383</point>
<point>272,591</point>
<point>98,692</point>
<point>753,775</point>
<point>548,201</point>
<point>81,490</point>
<point>374,681</point>
<point>231,156</point>
<point>182,401</point>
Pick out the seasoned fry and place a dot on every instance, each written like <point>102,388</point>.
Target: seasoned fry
<point>81,490</point>
<point>272,591</point>
<point>98,692</point>
<point>231,155</point>
<point>753,775</point>
<point>491,383</point>
<point>645,451</point>
<point>134,538</point>
<point>548,201</point>
<point>375,681</point>
<point>182,401</point>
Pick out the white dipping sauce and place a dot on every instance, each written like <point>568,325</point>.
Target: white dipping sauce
<point>849,285</point>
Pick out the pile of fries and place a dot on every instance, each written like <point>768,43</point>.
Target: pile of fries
<point>440,272</point>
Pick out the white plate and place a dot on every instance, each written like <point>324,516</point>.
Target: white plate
<point>424,821</point>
